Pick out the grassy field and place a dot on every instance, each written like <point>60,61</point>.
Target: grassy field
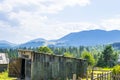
<point>4,76</point>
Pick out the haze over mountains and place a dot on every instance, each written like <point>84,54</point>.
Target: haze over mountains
<point>83,38</point>
<point>6,44</point>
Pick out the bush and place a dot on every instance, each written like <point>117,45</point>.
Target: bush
<point>45,49</point>
<point>68,54</point>
<point>116,70</point>
<point>88,56</point>
<point>4,76</point>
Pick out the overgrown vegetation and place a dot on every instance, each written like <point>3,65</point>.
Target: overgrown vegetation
<point>68,54</point>
<point>88,56</point>
<point>4,76</point>
<point>116,70</point>
<point>45,49</point>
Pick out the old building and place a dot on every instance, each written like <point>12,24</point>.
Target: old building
<point>3,62</point>
<point>40,66</point>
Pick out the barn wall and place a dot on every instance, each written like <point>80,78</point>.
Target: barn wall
<point>15,67</point>
<point>51,67</point>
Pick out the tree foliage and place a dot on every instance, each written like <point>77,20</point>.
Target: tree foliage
<point>68,54</point>
<point>104,56</point>
<point>108,57</point>
<point>44,49</point>
<point>116,70</point>
<point>88,56</point>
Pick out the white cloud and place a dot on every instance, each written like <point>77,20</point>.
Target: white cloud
<point>111,24</point>
<point>40,6</point>
<point>34,23</point>
<point>30,29</point>
<point>31,18</point>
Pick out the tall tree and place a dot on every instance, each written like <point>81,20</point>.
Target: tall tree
<point>108,57</point>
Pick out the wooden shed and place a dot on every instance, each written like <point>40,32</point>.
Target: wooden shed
<point>3,62</point>
<point>41,66</point>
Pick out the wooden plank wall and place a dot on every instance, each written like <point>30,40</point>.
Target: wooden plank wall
<point>14,67</point>
<point>50,67</point>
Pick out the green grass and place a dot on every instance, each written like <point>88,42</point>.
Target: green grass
<point>109,69</point>
<point>4,76</point>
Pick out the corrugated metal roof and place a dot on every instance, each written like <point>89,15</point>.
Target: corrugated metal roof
<point>3,58</point>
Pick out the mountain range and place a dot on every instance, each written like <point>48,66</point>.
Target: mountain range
<point>82,38</point>
<point>6,44</point>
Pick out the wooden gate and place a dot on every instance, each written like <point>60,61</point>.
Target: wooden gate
<point>103,76</point>
<point>15,67</point>
<point>106,76</point>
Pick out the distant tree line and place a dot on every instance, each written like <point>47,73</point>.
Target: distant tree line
<point>102,56</point>
<point>11,53</point>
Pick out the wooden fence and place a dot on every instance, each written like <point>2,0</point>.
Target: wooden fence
<point>116,77</point>
<point>103,76</point>
<point>106,76</point>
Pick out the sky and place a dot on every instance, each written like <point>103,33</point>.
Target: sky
<point>24,20</point>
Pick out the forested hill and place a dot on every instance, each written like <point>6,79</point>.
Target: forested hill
<point>116,45</point>
<point>6,44</point>
<point>83,38</point>
<point>90,38</point>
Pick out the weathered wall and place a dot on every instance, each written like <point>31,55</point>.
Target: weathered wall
<point>15,67</point>
<point>51,67</point>
<point>47,67</point>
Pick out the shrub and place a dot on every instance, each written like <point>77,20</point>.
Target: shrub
<point>88,56</point>
<point>4,76</point>
<point>68,54</point>
<point>116,70</point>
<point>45,49</point>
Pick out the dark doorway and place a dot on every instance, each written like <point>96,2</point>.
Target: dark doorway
<point>23,69</point>
<point>27,69</point>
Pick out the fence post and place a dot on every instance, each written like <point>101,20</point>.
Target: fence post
<point>74,77</point>
<point>87,77</point>
<point>105,77</point>
<point>92,76</point>
<point>102,76</point>
<point>110,75</point>
<point>98,77</point>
